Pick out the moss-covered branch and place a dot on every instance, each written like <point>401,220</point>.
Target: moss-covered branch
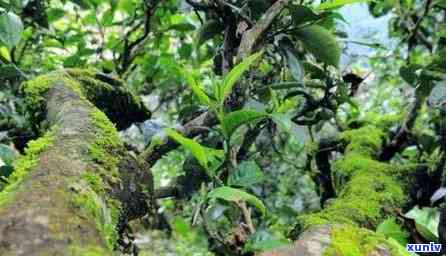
<point>368,192</point>
<point>65,196</point>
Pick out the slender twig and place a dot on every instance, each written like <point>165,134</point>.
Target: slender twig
<point>247,216</point>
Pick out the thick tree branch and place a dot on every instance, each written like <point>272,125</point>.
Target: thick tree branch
<point>323,177</point>
<point>77,186</point>
<point>252,37</point>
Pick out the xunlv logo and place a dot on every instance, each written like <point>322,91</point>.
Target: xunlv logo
<point>430,247</point>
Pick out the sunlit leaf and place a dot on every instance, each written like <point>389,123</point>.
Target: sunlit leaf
<point>55,14</point>
<point>207,157</point>
<point>237,195</point>
<point>426,221</point>
<point>201,95</point>
<point>234,75</point>
<point>333,4</point>
<point>4,54</point>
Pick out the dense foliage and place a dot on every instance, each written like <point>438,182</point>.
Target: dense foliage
<point>258,112</point>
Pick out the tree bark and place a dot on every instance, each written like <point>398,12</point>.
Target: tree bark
<point>70,192</point>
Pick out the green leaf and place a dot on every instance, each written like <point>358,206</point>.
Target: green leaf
<point>314,71</point>
<point>236,195</point>
<point>127,6</point>
<point>390,228</point>
<point>333,4</point>
<point>426,221</point>
<point>408,73</point>
<point>442,3</point>
<point>11,28</point>
<point>321,43</point>
<point>4,54</point>
<point>9,71</point>
<point>234,75</point>
<point>202,96</point>
<point>72,61</point>
<point>107,18</point>
<point>302,14</point>
<point>55,14</point>
<point>246,174</point>
<point>207,157</point>
<point>238,118</point>
<point>5,171</point>
<point>294,65</point>
<point>7,155</point>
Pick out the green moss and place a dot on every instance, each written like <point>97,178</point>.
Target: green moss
<point>365,141</point>
<point>366,189</point>
<point>107,143</point>
<point>96,90</point>
<point>383,121</point>
<point>352,162</point>
<point>353,241</point>
<point>25,163</point>
<point>104,212</point>
<point>362,202</point>
<point>87,251</point>
<point>36,88</point>
<point>94,180</point>
<point>91,196</point>
<point>91,86</point>
<point>104,149</point>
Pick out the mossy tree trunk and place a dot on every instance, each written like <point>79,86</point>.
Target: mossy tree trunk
<point>72,191</point>
<point>368,191</point>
